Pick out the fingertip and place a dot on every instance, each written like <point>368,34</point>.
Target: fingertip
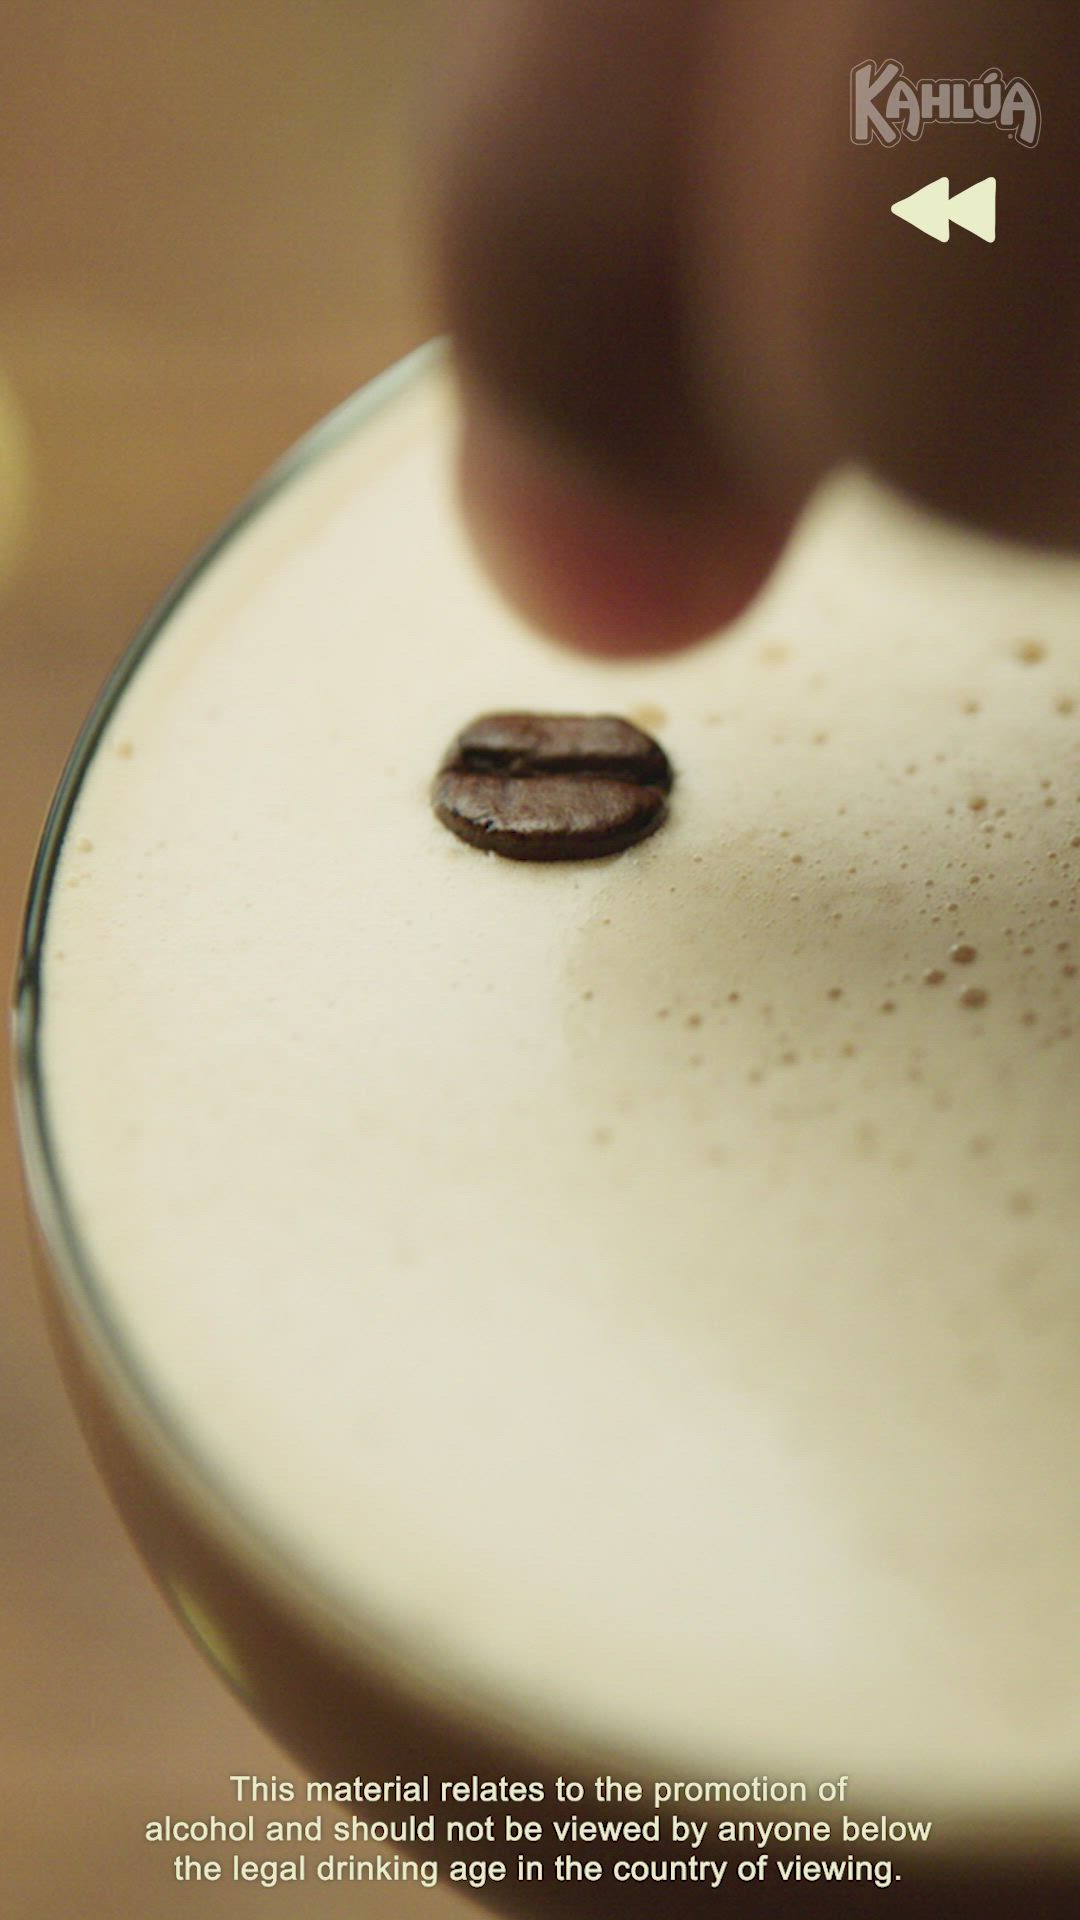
<point>597,570</point>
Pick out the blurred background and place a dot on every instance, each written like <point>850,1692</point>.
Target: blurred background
<point>208,238</point>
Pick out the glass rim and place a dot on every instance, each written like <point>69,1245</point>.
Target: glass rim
<point>431,1682</point>
<point>132,1397</point>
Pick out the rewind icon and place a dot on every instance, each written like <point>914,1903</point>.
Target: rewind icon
<point>931,209</point>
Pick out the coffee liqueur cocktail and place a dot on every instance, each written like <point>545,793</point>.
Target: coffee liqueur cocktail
<point>619,1307</point>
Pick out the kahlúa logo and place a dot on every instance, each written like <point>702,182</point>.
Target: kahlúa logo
<point>886,105</point>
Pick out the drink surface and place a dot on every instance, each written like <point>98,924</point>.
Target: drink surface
<point>644,1287</point>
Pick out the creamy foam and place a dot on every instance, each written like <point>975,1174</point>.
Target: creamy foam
<point>647,1285</point>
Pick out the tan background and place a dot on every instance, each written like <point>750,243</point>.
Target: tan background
<point>207,238</point>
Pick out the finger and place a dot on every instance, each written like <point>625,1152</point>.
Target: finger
<point>597,483</point>
<point>594,563</point>
<point>679,286</point>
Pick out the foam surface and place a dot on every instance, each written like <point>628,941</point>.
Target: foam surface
<point>633,1282</point>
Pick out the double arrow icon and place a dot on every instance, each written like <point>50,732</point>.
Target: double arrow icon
<point>931,208</point>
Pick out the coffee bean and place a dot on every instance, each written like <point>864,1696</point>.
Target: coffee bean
<point>550,786</point>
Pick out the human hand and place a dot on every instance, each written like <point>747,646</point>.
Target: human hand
<point>678,296</point>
